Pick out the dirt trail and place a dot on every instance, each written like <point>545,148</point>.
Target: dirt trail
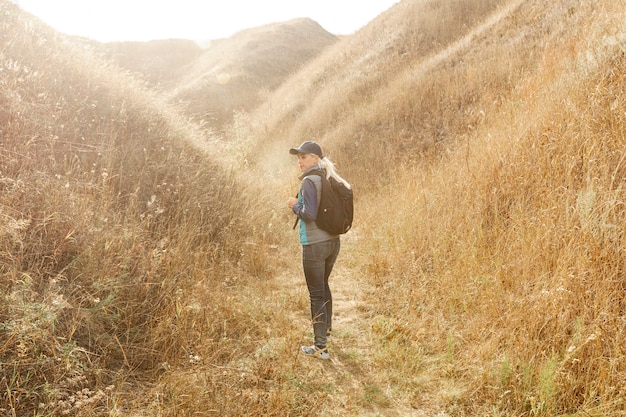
<point>353,374</point>
<point>349,372</point>
<point>354,352</point>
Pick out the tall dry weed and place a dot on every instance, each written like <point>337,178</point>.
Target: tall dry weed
<point>114,223</point>
<point>512,250</point>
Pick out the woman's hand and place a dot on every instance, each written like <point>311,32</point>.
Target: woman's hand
<point>292,201</point>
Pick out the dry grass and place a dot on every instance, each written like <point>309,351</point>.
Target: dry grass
<point>484,275</point>
<point>236,74</point>
<point>510,261</point>
<point>497,164</point>
<point>161,62</point>
<point>113,229</point>
<point>356,100</point>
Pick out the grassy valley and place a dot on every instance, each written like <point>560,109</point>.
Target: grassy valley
<point>148,266</point>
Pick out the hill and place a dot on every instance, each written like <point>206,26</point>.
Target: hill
<point>370,95</point>
<point>160,62</point>
<point>231,75</point>
<point>236,74</point>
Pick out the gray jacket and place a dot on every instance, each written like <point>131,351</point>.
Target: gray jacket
<point>306,208</point>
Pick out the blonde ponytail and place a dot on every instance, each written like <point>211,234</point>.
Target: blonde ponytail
<point>331,171</point>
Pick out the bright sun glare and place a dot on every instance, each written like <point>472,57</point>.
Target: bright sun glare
<point>137,20</point>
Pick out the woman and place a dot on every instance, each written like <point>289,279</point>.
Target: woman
<point>319,248</point>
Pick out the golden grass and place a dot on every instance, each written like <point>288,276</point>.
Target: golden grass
<point>490,209</point>
<point>355,93</point>
<point>142,273</point>
<point>236,74</point>
<point>113,228</point>
<point>512,244</point>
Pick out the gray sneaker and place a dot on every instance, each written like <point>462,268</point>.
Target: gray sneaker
<point>316,352</point>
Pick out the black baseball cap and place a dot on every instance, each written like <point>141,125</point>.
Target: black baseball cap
<point>307,147</point>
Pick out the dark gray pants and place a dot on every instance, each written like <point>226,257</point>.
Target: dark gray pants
<point>317,261</point>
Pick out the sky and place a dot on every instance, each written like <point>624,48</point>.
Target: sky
<point>143,20</point>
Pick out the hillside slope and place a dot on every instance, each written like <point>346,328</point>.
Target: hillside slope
<point>366,97</point>
<point>236,73</point>
<point>160,62</point>
<point>487,159</point>
<point>112,214</point>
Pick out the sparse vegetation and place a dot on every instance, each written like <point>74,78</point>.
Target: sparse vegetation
<point>236,74</point>
<point>161,62</point>
<point>143,273</point>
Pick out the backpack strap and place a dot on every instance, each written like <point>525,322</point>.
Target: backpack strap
<point>297,217</point>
